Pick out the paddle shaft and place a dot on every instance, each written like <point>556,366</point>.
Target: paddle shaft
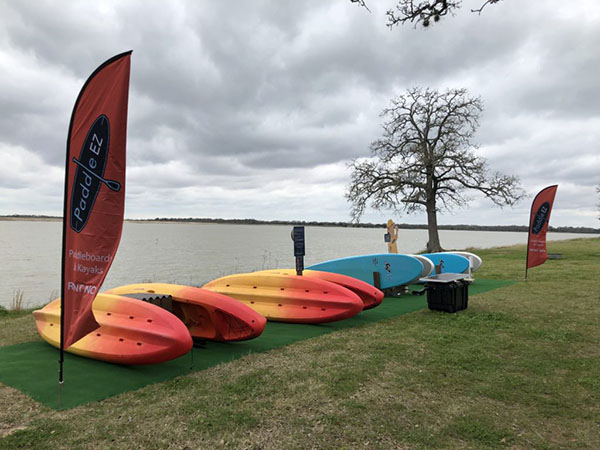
<point>112,184</point>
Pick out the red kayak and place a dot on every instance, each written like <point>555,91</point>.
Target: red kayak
<point>370,295</point>
<point>208,315</point>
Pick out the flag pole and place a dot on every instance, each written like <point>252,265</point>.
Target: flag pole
<point>529,236</point>
<point>527,249</point>
<point>63,271</point>
<point>61,358</point>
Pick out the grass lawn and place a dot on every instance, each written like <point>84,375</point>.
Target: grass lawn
<point>520,368</point>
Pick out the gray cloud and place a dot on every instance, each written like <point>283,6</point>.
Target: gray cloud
<point>253,109</point>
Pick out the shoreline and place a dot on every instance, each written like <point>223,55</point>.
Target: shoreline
<point>5,309</point>
<point>402,226</point>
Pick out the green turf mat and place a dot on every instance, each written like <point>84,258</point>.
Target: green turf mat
<point>32,367</point>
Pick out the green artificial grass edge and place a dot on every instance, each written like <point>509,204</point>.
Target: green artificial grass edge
<point>32,367</point>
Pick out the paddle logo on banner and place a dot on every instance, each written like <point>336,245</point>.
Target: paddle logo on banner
<point>89,176</point>
<point>538,226</point>
<point>94,193</point>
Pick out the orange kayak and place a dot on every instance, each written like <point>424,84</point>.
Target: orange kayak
<point>370,295</point>
<point>290,298</point>
<point>131,331</point>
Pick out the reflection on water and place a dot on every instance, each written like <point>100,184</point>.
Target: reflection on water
<point>195,253</point>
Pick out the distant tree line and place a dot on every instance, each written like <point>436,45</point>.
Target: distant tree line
<point>265,222</point>
<point>404,226</point>
<point>29,217</point>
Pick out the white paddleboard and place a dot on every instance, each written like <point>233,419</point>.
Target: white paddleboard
<point>473,258</point>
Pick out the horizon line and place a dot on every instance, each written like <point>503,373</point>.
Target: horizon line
<point>513,227</point>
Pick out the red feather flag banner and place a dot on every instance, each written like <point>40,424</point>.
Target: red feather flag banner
<point>538,227</point>
<point>94,194</point>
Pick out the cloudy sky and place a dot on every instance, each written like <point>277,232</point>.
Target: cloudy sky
<point>252,109</point>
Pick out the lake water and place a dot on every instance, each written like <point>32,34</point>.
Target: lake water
<point>195,253</point>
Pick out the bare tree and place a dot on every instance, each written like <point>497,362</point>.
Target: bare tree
<point>422,11</point>
<point>425,160</point>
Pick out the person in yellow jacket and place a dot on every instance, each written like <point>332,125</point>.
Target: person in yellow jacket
<point>392,236</point>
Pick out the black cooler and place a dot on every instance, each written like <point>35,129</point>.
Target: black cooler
<point>447,292</point>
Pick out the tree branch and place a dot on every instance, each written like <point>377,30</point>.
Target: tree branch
<point>478,11</point>
<point>421,11</point>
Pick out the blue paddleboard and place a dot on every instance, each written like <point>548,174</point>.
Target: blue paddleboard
<point>394,269</point>
<point>451,262</point>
